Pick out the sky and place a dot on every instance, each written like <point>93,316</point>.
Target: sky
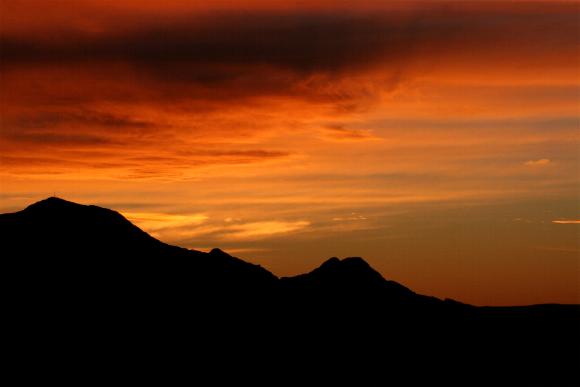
<point>438,140</point>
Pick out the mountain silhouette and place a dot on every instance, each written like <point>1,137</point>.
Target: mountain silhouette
<point>102,243</point>
<point>85,284</point>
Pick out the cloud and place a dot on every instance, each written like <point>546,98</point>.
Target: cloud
<point>269,52</point>
<point>351,217</point>
<point>538,163</point>
<point>178,73</point>
<point>155,222</point>
<point>325,39</point>
<point>129,164</point>
<point>91,118</point>
<point>258,230</point>
<point>188,233</point>
<point>566,221</point>
<point>339,133</point>
<point>177,92</point>
<point>39,137</point>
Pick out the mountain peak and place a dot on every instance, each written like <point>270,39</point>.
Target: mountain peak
<point>78,230</point>
<point>352,264</point>
<point>356,262</point>
<point>331,262</point>
<point>216,251</point>
<point>348,274</point>
<point>66,211</point>
<point>52,202</point>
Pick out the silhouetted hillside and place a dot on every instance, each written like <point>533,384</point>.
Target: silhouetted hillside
<point>101,243</point>
<point>84,284</point>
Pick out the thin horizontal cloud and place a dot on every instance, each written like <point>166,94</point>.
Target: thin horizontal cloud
<point>340,133</point>
<point>352,217</point>
<point>136,164</point>
<point>259,230</point>
<point>538,162</point>
<point>81,117</point>
<point>61,139</point>
<point>228,232</point>
<point>155,222</point>
<point>566,221</point>
<point>474,123</point>
<point>251,153</point>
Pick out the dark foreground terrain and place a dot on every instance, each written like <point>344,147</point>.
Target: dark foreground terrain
<point>92,298</point>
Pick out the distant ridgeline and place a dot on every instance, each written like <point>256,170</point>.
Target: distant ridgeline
<point>91,295</point>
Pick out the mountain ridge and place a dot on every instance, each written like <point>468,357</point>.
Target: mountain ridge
<point>85,281</point>
<point>349,269</point>
<point>55,212</point>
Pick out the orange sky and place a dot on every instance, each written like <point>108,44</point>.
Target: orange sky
<point>439,140</point>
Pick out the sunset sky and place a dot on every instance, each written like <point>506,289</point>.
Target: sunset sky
<point>438,140</point>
